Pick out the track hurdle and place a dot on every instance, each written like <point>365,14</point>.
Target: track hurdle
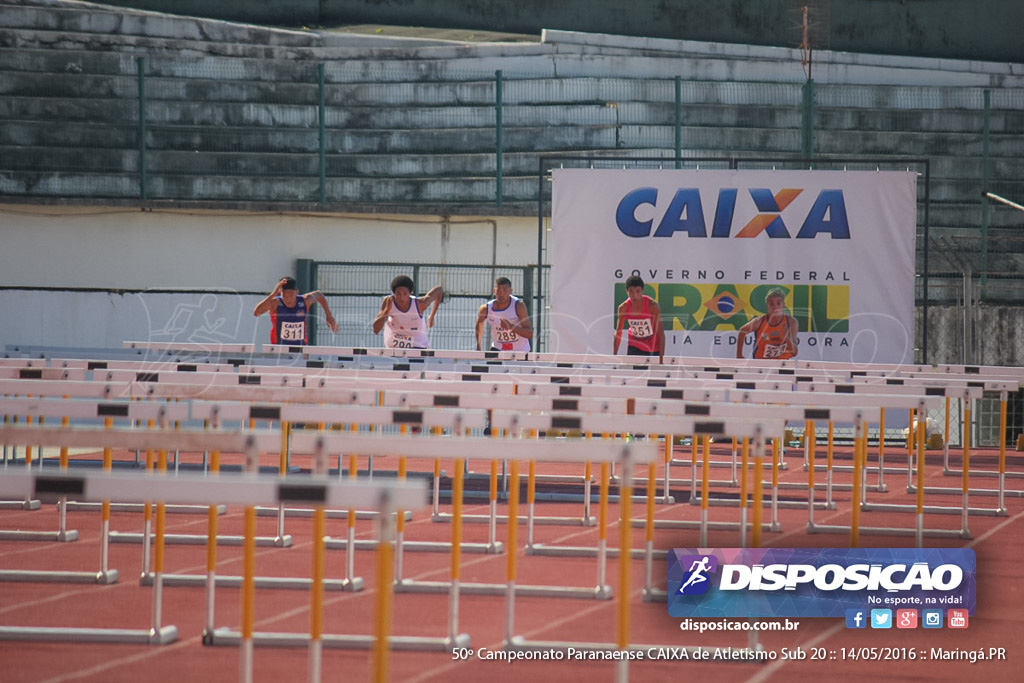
<point>246,490</point>
<point>429,447</point>
<point>516,403</point>
<point>1000,492</point>
<point>633,424</point>
<point>62,534</point>
<point>628,459</point>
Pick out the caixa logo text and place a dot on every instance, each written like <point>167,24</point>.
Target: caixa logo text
<point>684,212</point>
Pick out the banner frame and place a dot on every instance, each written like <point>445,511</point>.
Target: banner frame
<point>547,162</point>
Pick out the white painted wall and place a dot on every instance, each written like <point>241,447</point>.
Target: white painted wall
<point>225,261</point>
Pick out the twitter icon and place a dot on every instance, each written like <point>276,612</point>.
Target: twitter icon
<point>881,618</point>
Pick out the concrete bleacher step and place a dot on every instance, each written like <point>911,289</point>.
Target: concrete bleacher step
<point>236,104</point>
<point>100,19</point>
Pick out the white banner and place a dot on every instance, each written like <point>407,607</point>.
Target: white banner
<point>710,244</point>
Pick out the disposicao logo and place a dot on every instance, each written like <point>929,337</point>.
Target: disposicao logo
<point>697,580</point>
<point>818,582</point>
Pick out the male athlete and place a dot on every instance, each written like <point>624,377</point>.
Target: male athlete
<point>775,332</point>
<point>642,316</point>
<point>508,318</point>
<point>288,312</point>
<point>401,315</point>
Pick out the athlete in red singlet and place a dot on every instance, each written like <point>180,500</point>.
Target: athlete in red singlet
<point>641,315</point>
<point>775,332</point>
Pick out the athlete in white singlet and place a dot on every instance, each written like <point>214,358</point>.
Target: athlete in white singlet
<point>508,319</point>
<point>401,315</point>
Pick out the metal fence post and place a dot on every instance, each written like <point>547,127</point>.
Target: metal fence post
<point>807,132</point>
<point>305,280</point>
<point>498,135</point>
<point>528,294</point>
<point>679,121</point>
<point>323,134</point>
<point>986,126</point>
<point>141,77</point>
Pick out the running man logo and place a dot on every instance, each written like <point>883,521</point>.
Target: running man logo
<point>722,306</point>
<point>696,580</point>
<point>685,213</point>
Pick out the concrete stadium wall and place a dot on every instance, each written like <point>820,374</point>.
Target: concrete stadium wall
<point>980,29</point>
<point>97,277</point>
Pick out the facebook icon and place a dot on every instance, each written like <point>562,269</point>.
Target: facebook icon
<point>856,618</point>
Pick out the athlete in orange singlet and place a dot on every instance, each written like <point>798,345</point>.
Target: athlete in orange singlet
<point>775,332</point>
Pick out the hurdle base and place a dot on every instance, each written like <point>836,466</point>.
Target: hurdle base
<point>415,546</point>
<point>60,536</point>
<point>692,524</point>
<point>972,493</point>
<point>229,637</point>
<point>983,473</point>
<point>202,539</point>
<point>353,585</point>
<point>813,528</point>
<point>503,519</point>
<point>306,513</point>
<point>782,504</point>
<point>138,507</point>
<point>522,644</point>
<point>587,593</point>
<point>102,577</point>
<point>930,509</point>
<point>654,595</point>
<point>20,505</point>
<point>586,551</point>
<point>163,636</point>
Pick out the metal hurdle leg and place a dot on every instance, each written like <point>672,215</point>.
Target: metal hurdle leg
<point>316,593</point>
<point>744,461</point>
<point>777,451</point>
<point>512,549</point>
<point>625,514</point>
<point>649,592</point>
<point>881,446</point>
<point>211,555</point>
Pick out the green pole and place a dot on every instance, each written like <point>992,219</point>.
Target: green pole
<point>141,64</point>
<point>679,121</point>
<point>497,126</point>
<point>986,125</point>
<point>305,279</point>
<point>323,134</point>
<point>807,134</point>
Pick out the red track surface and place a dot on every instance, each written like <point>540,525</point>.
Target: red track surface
<point>126,604</point>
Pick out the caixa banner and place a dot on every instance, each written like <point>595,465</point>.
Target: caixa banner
<point>710,246</point>
<point>817,582</point>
